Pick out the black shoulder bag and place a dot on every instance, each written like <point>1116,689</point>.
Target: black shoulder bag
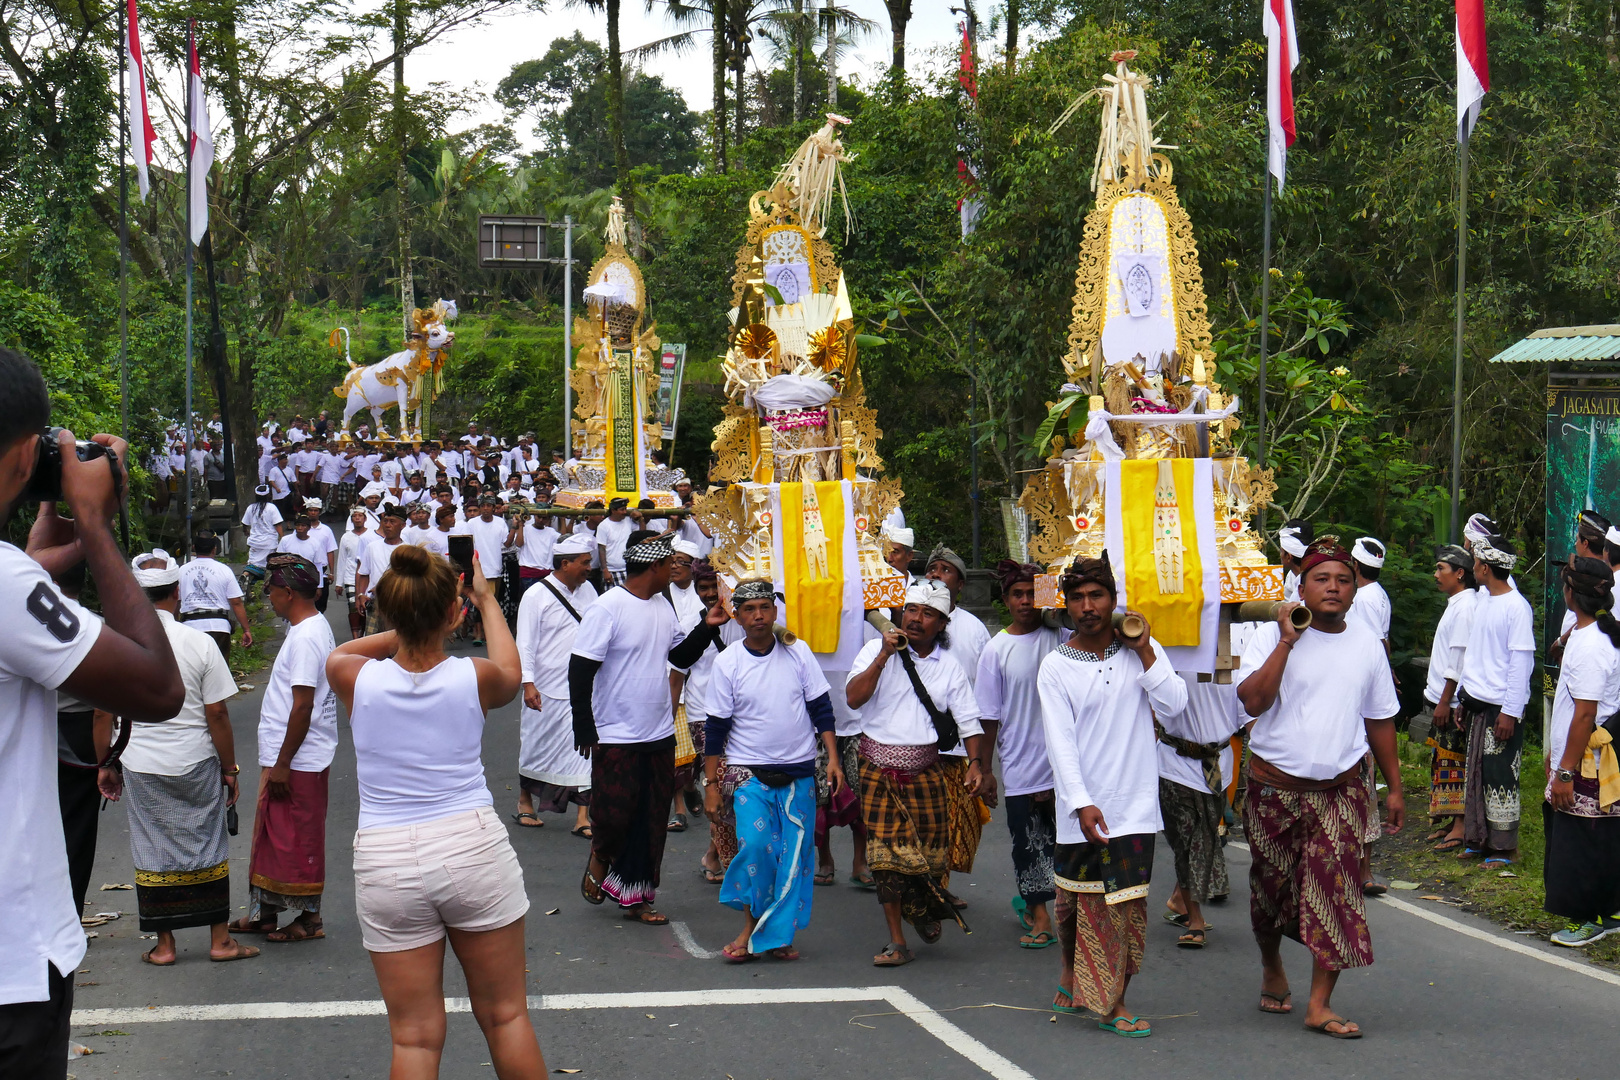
<point>566,605</point>
<point>944,723</point>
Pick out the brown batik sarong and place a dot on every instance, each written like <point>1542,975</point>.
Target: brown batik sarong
<point>908,840</point>
<point>631,786</point>
<point>1192,828</point>
<point>1305,878</point>
<point>1104,943</point>
<point>962,812</point>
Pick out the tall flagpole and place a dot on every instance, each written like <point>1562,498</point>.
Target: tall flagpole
<point>191,121</point>
<point>123,257</point>
<point>1265,317</point>
<point>1457,358</point>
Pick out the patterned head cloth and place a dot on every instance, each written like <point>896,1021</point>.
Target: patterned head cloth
<point>943,554</point>
<point>1011,573</point>
<point>1478,527</point>
<point>1590,579</point>
<point>392,510</point>
<point>1325,549</point>
<point>647,552</point>
<point>619,504</point>
<point>1591,525</point>
<point>1495,551</point>
<point>703,571</point>
<point>293,572</point>
<point>929,594</point>
<point>758,589</point>
<point>1090,571</point>
<point>1452,555</point>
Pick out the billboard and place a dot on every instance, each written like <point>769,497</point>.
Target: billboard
<point>671,366</point>
<point>1583,472</point>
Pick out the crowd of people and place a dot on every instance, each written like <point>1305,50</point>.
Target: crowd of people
<point>648,702</point>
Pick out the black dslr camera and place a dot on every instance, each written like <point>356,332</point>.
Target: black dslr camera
<point>46,483</point>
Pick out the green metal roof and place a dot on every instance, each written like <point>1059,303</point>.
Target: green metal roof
<point>1564,343</point>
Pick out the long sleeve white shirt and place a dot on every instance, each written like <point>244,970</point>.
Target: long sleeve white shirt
<point>545,634</point>
<point>1450,644</point>
<point>1099,737</point>
<point>895,717</point>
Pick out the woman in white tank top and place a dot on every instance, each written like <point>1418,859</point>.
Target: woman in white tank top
<point>431,857</point>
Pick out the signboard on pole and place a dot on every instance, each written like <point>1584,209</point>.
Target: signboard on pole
<point>671,366</point>
<point>1583,466</point>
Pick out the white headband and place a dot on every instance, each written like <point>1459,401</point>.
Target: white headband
<point>930,594</point>
<point>167,574</point>
<point>903,537</point>
<point>1368,552</point>
<point>574,544</point>
<point>1478,527</point>
<point>1288,540</point>
<point>686,547</point>
<point>1613,535</point>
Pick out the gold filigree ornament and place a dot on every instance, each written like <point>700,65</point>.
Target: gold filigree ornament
<point>756,342</point>
<point>827,348</point>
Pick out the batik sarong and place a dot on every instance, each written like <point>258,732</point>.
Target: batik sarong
<point>1102,942</point>
<point>773,873</point>
<point>549,768</point>
<point>723,824</point>
<point>288,865</point>
<point>907,837</point>
<point>1192,828</point>
<point>1448,770</point>
<point>631,786</point>
<point>1032,821</point>
<point>1491,807</point>
<point>964,814</point>
<point>844,809</point>
<point>180,847</point>
<point>1305,878</point>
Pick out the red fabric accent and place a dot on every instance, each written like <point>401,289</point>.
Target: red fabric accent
<point>289,836</point>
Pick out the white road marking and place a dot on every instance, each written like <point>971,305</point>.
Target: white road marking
<point>1500,942</point>
<point>683,934</point>
<point>903,1001</point>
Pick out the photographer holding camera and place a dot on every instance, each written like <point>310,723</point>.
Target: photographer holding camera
<point>123,666</point>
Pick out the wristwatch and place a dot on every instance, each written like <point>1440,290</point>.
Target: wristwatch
<point>1565,776</point>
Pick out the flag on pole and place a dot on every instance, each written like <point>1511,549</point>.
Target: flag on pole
<point>971,202</point>
<point>1282,57</point>
<point>1473,69</point>
<point>200,146</point>
<point>140,121</point>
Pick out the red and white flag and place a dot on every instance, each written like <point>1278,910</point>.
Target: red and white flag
<point>1473,69</point>
<point>200,145</point>
<point>1282,57</point>
<point>141,132</point>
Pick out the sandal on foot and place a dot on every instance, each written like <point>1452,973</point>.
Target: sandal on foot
<point>1192,939</point>
<point>1133,1033</point>
<point>930,931</point>
<point>296,931</point>
<point>581,831</point>
<point>1322,1028</point>
<point>735,954</point>
<point>242,952</point>
<point>826,877</point>
<point>1283,1003</point>
<point>1021,909</point>
<point>783,952</point>
<point>1469,853</point>
<point>1496,860</point>
<point>863,881</point>
<point>146,958</point>
<point>1033,941</point>
<point>713,877</point>
<point>243,926</point>
<point>591,889</point>
<point>1070,1007</point>
<point>528,819</point>
<point>694,803</point>
<point>1451,844</point>
<point>1373,888</point>
<point>677,823</point>
<point>646,916</point>
<point>893,956</point>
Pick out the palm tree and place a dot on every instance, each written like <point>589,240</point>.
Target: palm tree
<point>791,31</point>
<point>899,16</point>
<point>621,156</point>
<point>698,17</point>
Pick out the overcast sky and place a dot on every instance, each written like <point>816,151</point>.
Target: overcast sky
<point>478,58</point>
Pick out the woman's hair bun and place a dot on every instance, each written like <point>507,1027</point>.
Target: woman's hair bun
<point>412,560</point>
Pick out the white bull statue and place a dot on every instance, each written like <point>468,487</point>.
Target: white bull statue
<point>405,379</point>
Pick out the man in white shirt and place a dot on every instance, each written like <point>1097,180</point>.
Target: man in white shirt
<point>1448,768</point>
<point>905,799</point>
<point>768,705</point>
<point>536,539</point>
<point>123,665</point>
<point>351,549</point>
<point>1495,688</point>
<point>1292,539</point>
<point>1010,710</point>
<point>681,591</point>
<point>898,548</point>
<point>210,595</point>
<point>551,772</point>
<point>1099,694</point>
<point>307,463</point>
<point>282,479</point>
<point>178,779</point>
<point>301,542</point>
<point>374,564</point>
<point>1320,698</point>
<point>964,639</point>
<point>612,533</point>
<point>1195,768</point>
<point>298,739</point>
<point>335,465</point>
<point>618,689</point>
<point>490,536</point>
<point>1371,607</point>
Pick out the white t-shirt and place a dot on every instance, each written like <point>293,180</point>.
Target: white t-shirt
<point>1213,714</point>
<point>765,697</point>
<point>968,638</point>
<point>307,461</point>
<point>261,520</point>
<point>613,535</point>
<point>350,549</point>
<point>581,527</point>
<point>391,474</point>
<point>177,744</point>
<point>322,532</point>
<point>1332,685</point>
<point>333,468</point>
<point>311,547</point>
<point>1501,651</point>
<point>374,563</point>
<point>1007,692</point>
<point>538,540</point>
<point>301,662</point>
<point>1590,672</point>
<point>632,637</point>
<point>1450,643</point>
<point>206,584</point>
<point>436,540</point>
<point>1371,608</point>
<point>280,480</point>
<point>48,636</point>
<point>893,715</point>
<point>545,634</point>
<point>1099,737</point>
<point>489,539</point>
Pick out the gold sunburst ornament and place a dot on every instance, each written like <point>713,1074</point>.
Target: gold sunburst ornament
<point>827,348</point>
<point>756,342</point>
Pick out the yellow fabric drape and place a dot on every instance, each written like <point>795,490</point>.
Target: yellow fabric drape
<point>622,421</point>
<point>1607,770</point>
<point>814,601</point>
<point>1174,618</point>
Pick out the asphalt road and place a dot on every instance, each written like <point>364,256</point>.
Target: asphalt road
<point>1438,1002</point>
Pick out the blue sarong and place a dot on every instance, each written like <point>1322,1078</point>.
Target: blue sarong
<point>773,875</point>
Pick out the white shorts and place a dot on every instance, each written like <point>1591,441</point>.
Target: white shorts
<point>412,881</point>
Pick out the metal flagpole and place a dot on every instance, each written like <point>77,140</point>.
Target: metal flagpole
<point>191,121</point>
<point>1265,321</point>
<point>1457,359</point>
<point>123,258</point>
<point>568,334</point>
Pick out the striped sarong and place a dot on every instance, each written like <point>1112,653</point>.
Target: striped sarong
<point>180,847</point>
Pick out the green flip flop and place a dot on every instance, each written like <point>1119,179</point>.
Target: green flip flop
<point>1069,1008</point>
<point>1021,909</point>
<point>1112,1025</point>
<point>1036,943</point>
